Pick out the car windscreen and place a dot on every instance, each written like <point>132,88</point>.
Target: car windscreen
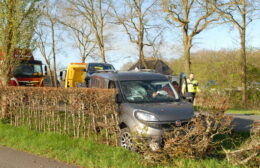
<point>148,91</point>
<point>97,67</point>
<point>25,70</point>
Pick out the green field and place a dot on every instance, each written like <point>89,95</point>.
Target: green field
<point>243,111</point>
<point>87,153</point>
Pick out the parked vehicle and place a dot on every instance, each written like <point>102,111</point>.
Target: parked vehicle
<point>148,104</point>
<point>75,75</point>
<point>28,72</point>
<point>95,67</point>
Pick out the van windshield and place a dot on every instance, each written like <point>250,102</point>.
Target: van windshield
<point>148,91</point>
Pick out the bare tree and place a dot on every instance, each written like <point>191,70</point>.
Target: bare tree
<point>135,17</point>
<point>49,22</point>
<point>81,32</point>
<point>84,43</point>
<point>94,12</point>
<point>41,44</point>
<point>240,13</point>
<point>192,17</point>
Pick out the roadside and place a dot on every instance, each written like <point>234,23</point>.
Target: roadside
<point>83,152</point>
<point>243,122</point>
<point>76,151</point>
<point>10,158</point>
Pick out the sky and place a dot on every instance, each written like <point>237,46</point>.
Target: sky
<point>121,51</point>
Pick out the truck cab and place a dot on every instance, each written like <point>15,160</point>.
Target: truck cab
<point>28,71</point>
<point>75,75</point>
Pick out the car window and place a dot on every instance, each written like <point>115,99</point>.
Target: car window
<point>148,91</point>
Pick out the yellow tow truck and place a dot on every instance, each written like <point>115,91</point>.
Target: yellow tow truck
<point>75,75</point>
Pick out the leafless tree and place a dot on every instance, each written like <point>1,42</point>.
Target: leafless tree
<point>135,17</point>
<point>84,43</point>
<point>81,32</point>
<point>192,17</point>
<point>49,23</point>
<point>240,13</point>
<point>94,12</point>
<point>42,45</point>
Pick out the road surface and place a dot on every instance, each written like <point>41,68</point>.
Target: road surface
<point>10,158</point>
<point>243,122</point>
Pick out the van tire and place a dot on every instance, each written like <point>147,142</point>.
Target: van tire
<point>125,139</point>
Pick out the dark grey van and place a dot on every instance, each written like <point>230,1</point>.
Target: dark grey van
<point>147,102</point>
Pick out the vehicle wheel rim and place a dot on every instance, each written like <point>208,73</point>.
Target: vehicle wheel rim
<point>126,141</point>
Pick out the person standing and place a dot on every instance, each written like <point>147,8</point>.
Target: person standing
<point>191,88</point>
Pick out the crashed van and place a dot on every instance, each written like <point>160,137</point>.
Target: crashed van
<point>147,103</point>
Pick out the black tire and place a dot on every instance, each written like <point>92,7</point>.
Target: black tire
<point>125,139</point>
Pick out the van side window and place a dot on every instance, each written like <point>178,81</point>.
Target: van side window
<point>95,83</point>
<point>112,85</point>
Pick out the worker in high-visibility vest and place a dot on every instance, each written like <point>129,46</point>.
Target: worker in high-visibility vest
<point>192,87</point>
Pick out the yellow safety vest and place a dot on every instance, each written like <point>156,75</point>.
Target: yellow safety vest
<point>191,85</point>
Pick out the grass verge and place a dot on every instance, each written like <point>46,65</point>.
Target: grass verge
<point>86,153</point>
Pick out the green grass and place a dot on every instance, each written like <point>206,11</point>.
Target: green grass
<point>76,151</point>
<point>87,153</point>
<point>243,111</point>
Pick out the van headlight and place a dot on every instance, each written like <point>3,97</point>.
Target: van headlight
<point>145,116</point>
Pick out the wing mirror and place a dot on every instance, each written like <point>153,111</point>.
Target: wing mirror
<point>118,98</point>
<point>45,70</point>
<point>188,96</point>
<point>61,75</point>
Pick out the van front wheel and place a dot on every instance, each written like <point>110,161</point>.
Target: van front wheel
<point>125,139</point>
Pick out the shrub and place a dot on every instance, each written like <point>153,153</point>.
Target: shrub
<point>220,100</point>
<point>197,139</point>
<point>79,112</point>
<point>249,153</point>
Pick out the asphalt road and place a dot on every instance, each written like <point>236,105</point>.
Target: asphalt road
<point>243,123</point>
<point>10,158</point>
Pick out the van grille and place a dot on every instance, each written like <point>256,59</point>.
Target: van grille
<point>166,125</point>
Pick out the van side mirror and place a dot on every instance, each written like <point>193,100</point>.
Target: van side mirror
<point>84,70</point>
<point>188,96</point>
<point>119,98</point>
<point>45,70</point>
<point>61,75</point>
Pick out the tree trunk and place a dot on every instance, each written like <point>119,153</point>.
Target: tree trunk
<point>102,52</point>
<point>187,59</point>
<point>141,51</point>
<point>4,80</point>
<point>243,69</point>
<point>186,52</point>
<point>243,55</point>
<point>83,59</point>
<point>141,36</point>
<point>50,74</point>
<point>54,54</point>
<point>142,58</point>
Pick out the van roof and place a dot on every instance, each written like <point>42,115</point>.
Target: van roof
<point>130,75</point>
